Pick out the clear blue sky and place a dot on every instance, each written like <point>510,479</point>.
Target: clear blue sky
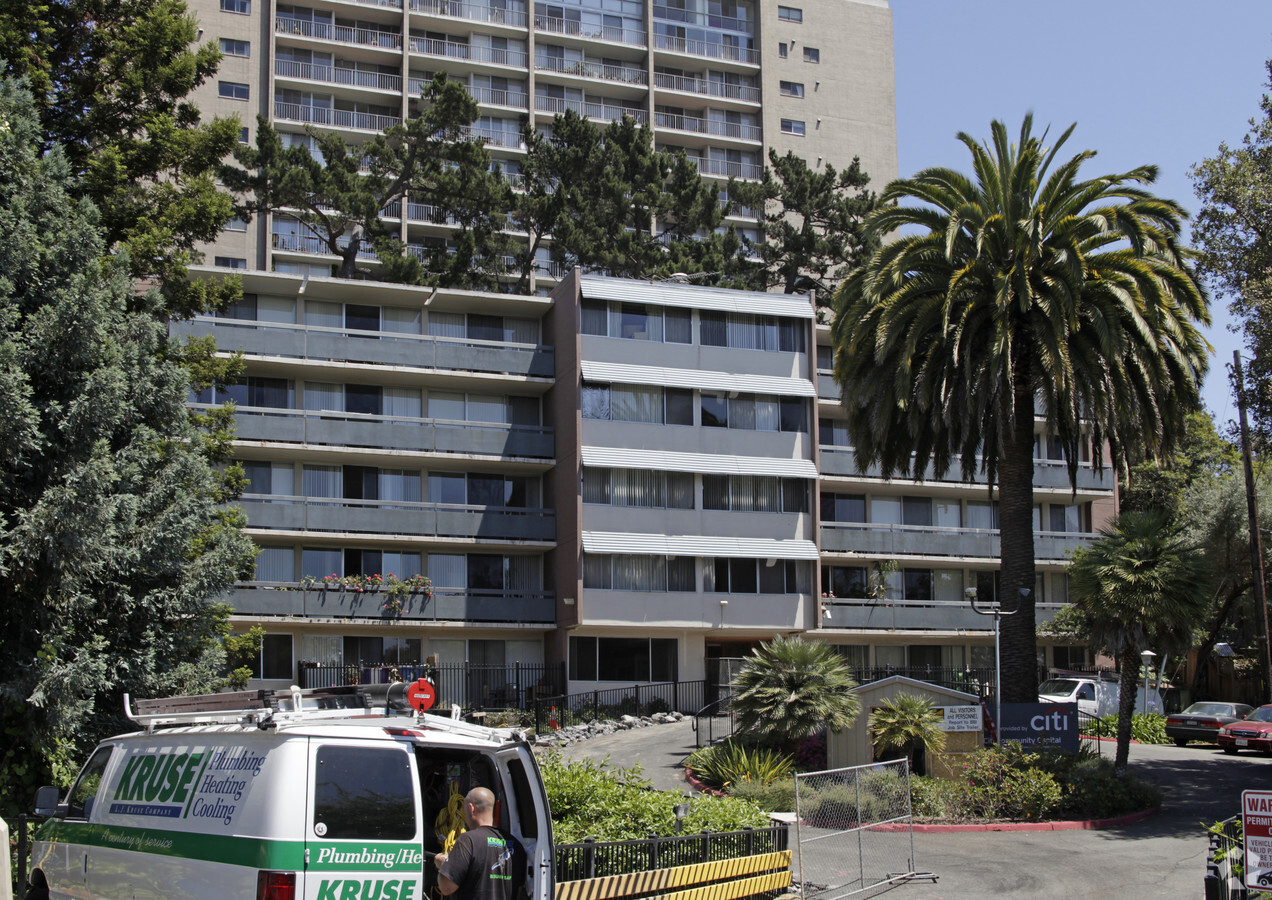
<point>1146,82</point>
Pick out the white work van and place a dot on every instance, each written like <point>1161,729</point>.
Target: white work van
<point>1094,696</point>
<point>323,795</point>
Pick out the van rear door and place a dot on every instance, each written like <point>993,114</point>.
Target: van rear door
<point>364,830</point>
<point>529,818</point>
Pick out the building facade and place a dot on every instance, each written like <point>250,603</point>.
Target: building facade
<point>638,480</point>
<point>724,80</point>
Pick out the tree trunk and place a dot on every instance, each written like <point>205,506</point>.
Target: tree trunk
<point>1016,541</point>
<point>1129,663</point>
<point>349,259</point>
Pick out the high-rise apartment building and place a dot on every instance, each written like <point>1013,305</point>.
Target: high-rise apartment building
<point>723,80</point>
<point>640,480</point>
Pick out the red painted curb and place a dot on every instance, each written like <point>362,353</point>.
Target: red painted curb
<point>1072,825</point>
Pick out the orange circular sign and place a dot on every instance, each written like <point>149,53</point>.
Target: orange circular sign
<point>421,694</point>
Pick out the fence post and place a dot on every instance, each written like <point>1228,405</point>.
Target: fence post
<point>24,848</point>
<point>589,857</point>
<point>653,851</point>
<point>749,840</point>
<point>706,845</point>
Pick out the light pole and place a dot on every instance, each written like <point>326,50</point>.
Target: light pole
<point>1146,660</point>
<point>994,608</point>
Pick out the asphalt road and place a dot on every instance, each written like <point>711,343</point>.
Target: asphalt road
<point>1161,856</point>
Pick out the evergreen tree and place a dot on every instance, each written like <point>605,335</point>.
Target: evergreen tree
<point>111,80</point>
<point>814,224</point>
<point>111,537</point>
<point>339,191</point>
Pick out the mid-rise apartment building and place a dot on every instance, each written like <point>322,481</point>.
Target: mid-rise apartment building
<point>723,80</point>
<point>635,479</point>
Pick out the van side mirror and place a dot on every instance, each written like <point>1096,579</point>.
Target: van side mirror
<point>46,801</point>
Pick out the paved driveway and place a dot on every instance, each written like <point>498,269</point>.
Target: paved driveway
<point>1161,856</point>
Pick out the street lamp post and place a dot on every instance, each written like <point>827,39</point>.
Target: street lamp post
<point>1146,660</point>
<point>994,608</point>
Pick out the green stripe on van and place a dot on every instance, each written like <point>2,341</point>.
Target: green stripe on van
<point>255,853</point>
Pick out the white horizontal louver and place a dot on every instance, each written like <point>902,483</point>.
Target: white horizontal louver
<point>622,373</point>
<point>703,463</point>
<point>696,545</point>
<point>795,306</point>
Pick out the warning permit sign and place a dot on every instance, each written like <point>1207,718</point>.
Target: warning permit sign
<point>1256,820</point>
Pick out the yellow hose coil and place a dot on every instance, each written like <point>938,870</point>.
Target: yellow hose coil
<point>450,820</point>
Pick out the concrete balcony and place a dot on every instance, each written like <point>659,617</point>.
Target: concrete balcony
<point>398,517</point>
<point>343,34</point>
<point>1047,473</point>
<point>446,605</point>
<point>422,436</point>
<point>689,84</point>
<point>913,615</point>
<point>899,541</point>
<point>601,110</point>
<point>761,612</point>
<point>707,49</point>
<point>386,348</point>
<point>471,12</point>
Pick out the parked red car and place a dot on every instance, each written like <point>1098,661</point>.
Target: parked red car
<point>1254,732</point>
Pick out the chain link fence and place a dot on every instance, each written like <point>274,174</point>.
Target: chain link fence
<point>854,830</point>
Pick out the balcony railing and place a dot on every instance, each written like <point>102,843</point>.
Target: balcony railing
<point>389,348</point>
<point>591,109</point>
<point>343,34</point>
<point>708,20</point>
<point>337,75</point>
<point>573,28</point>
<point>333,428</point>
<point>707,87</point>
<point>471,12</point>
<point>708,49</point>
<point>600,71</point>
<point>397,517</point>
<point>497,137</point>
<point>455,50</point>
<point>698,125</point>
<point>940,540</point>
<point>495,607</point>
<point>340,118</point>
<point>516,99</point>
<point>308,243</point>
<point>469,685</point>
<point>728,169</point>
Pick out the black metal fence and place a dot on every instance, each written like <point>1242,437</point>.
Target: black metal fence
<point>466,685</point>
<point>637,700</point>
<point>593,859</point>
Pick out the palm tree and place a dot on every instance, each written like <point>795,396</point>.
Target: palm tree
<point>1022,293</point>
<point>791,688</point>
<point>1141,585</point>
<point>906,723</point>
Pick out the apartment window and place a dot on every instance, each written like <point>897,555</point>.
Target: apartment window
<point>791,88</point>
<point>781,50</point>
<point>244,135</point>
<point>229,262</point>
<point>623,659</point>
<point>638,487</point>
<point>728,575</point>
<point>243,7</point>
<point>790,14</point>
<point>793,126</point>
<point>812,55</point>
<point>238,223</point>
<point>275,657</point>
<point>844,581</point>
<point>741,331</point>
<point>232,90</point>
<point>231,47</point>
<point>637,403</point>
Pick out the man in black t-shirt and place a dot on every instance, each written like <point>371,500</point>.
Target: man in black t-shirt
<point>485,863</point>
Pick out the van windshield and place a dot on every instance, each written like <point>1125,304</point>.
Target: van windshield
<point>1058,686</point>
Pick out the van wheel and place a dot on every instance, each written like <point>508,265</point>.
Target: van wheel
<point>1231,751</point>
<point>1181,742</point>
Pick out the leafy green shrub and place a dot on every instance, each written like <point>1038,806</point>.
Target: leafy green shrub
<point>1093,791</point>
<point>656,705</point>
<point>776,796</point>
<point>940,798</point>
<point>590,799</point>
<point>735,761</point>
<point>1007,784</point>
<point>1147,729</point>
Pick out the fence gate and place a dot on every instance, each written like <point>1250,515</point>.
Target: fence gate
<point>854,830</point>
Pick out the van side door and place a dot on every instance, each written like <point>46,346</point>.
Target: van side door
<point>363,828</point>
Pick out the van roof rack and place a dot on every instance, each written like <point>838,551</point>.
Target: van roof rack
<point>266,708</point>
